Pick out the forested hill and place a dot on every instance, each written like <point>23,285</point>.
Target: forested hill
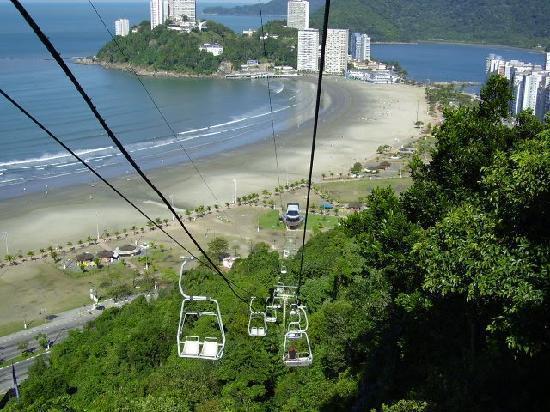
<point>163,49</point>
<point>437,300</point>
<point>273,7</point>
<point>512,22</point>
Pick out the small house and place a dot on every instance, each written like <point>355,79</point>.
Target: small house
<point>126,251</point>
<point>105,256</point>
<point>86,259</point>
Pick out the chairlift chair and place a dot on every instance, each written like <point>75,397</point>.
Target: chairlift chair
<point>197,347</point>
<point>253,328</point>
<point>297,357</point>
<point>272,309</point>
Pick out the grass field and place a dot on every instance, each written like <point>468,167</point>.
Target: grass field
<point>353,190</point>
<point>270,220</point>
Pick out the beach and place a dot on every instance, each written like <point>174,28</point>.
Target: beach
<point>358,117</point>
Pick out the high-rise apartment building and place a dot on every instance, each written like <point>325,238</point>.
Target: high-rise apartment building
<point>530,84</point>
<point>183,10</point>
<point>360,47</point>
<point>547,61</point>
<point>308,50</point>
<point>122,27</point>
<point>298,14</point>
<point>336,54</point>
<point>158,17</point>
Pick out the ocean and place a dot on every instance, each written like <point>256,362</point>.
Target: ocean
<point>210,116</point>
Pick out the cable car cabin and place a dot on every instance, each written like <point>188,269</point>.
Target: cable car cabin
<point>200,319</point>
<point>257,323</point>
<point>283,270</point>
<point>292,217</point>
<point>297,349</point>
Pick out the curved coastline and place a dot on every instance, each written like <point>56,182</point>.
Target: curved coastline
<point>358,119</point>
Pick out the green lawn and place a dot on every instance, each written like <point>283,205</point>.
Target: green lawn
<point>270,220</point>
<point>353,190</point>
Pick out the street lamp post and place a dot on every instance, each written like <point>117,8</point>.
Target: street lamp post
<point>97,225</point>
<point>172,201</point>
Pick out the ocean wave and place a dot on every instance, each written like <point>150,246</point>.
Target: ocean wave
<point>46,158</point>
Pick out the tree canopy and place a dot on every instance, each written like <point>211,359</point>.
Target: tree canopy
<point>436,300</point>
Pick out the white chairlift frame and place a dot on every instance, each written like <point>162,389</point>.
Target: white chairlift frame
<point>255,330</point>
<point>302,358</point>
<point>209,348</point>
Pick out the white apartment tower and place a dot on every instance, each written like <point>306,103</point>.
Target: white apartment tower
<point>158,16</point>
<point>336,54</point>
<point>298,14</point>
<point>547,61</point>
<point>360,47</point>
<point>122,27</point>
<point>308,50</point>
<point>183,10</point>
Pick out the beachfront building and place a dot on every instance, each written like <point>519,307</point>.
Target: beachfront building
<point>122,27</point>
<point>308,50</point>
<point>547,61</point>
<point>183,10</point>
<point>360,47</point>
<point>158,15</point>
<point>336,54</point>
<point>530,84</point>
<point>214,48</point>
<point>298,14</point>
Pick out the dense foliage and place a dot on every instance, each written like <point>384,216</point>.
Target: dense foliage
<point>514,22</point>
<point>273,7</point>
<point>168,50</point>
<point>437,300</point>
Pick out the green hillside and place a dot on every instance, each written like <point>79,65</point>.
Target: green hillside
<point>434,300</point>
<point>512,22</point>
<point>164,49</point>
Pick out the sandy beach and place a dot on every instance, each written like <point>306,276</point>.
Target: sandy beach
<point>359,117</point>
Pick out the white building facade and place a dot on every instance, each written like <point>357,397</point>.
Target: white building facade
<point>214,48</point>
<point>336,54</point>
<point>122,27</point>
<point>157,9</point>
<point>183,10</point>
<point>530,84</point>
<point>308,50</point>
<point>298,14</point>
<point>360,47</point>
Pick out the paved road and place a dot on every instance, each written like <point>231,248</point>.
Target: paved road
<point>56,329</point>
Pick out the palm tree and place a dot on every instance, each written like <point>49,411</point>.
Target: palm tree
<point>142,229</point>
<point>30,254</point>
<point>165,222</point>
<point>50,248</point>
<point>9,259</point>
<point>43,252</point>
<point>134,229</point>
<point>117,234</point>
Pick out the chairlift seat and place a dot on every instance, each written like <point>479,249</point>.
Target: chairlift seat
<point>191,346</point>
<point>270,319</point>
<point>257,331</point>
<point>301,359</point>
<point>210,348</point>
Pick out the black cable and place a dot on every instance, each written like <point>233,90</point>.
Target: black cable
<point>271,114</point>
<point>99,176</point>
<point>57,57</point>
<point>174,133</point>
<point>312,158</point>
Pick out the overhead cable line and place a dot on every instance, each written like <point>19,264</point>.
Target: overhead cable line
<point>57,57</point>
<point>155,104</point>
<point>316,121</point>
<point>271,113</point>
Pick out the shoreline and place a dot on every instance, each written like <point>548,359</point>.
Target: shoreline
<point>358,118</point>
